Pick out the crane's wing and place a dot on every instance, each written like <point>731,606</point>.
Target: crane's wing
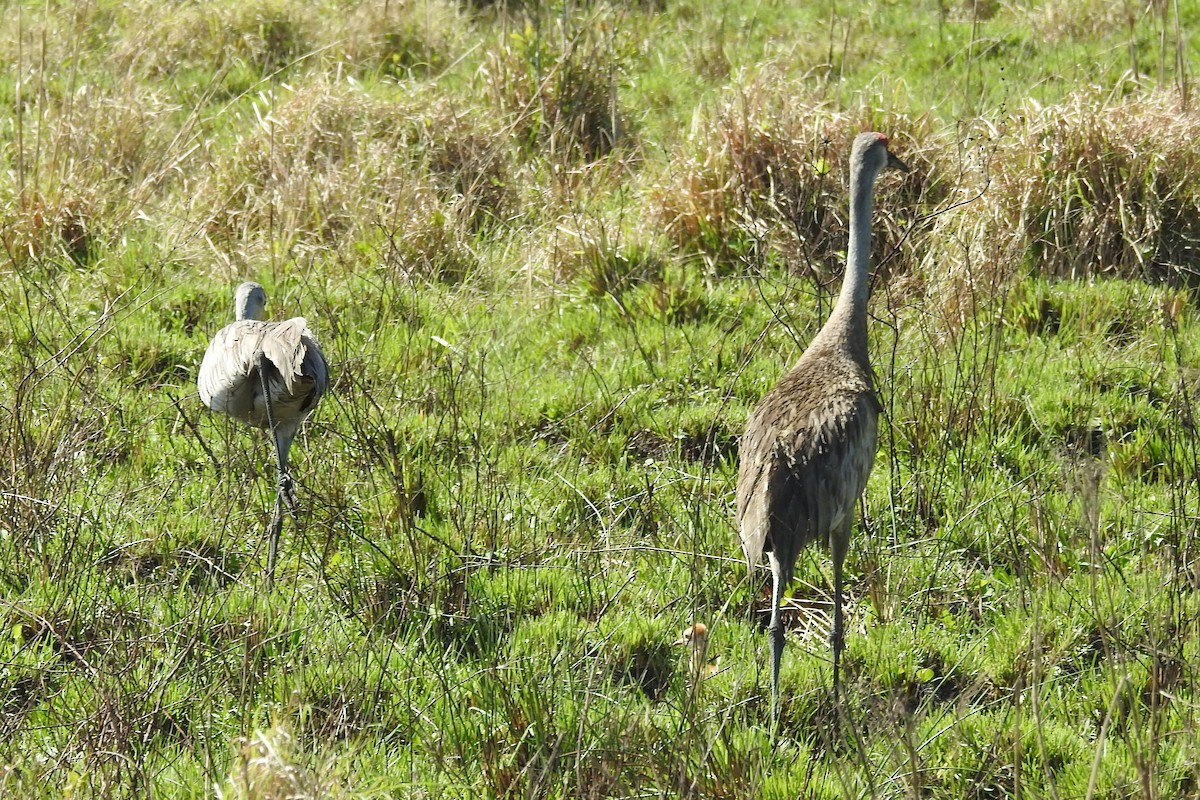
<point>294,351</point>
<point>224,378</point>
<point>228,380</point>
<point>803,467</point>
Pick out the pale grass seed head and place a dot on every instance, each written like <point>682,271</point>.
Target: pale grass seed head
<point>268,765</point>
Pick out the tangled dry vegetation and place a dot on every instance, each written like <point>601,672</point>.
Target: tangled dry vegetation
<point>1089,188</point>
<point>311,160</point>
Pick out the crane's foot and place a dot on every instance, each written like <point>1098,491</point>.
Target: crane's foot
<point>287,491</point>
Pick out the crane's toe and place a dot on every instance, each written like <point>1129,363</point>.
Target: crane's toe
<point>287,490</point>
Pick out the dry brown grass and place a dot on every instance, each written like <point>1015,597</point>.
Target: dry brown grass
<point>266,35</point>
<point>1104,188</point>
<point>558,83</point>
<point>1067,20</point>
<point>396,39</point>
<point>763,175</point>
<point>312,162</point>
<point>327,165</point>
<point>49,35</point>
<point>1090,188</point>
<point>274,36</point>
<point>84,169</point>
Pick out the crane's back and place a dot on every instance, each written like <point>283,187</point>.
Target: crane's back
<point>807,452</point>
<point>297,374</point>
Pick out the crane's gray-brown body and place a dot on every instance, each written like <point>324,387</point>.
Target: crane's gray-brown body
<point>810,442</point>
<point>267,375</point>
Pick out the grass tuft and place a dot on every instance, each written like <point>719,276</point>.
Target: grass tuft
<point>269,766</point>
<point>557,78</point>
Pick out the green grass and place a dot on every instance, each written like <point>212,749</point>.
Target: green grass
<point>555,253</point>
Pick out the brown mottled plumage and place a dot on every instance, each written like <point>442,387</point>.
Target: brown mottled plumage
<point>266,375</point>
<point>810,442</point>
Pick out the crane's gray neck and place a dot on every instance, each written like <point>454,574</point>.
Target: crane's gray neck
<point>250,302</point>
<point>847,324</point>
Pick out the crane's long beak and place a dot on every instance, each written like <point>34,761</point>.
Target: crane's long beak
<point>895,163</point>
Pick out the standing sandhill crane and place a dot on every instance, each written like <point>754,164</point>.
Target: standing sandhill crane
<point>267,375</point>
<point>810,442</point>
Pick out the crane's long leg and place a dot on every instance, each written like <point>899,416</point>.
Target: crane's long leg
<point>273,534</point>
<point>839,543</point>
<point>284,486</point>
<point>778,579</point>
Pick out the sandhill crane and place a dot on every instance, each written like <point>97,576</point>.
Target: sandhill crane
<point>267,375</point>
<point>810,442</point>
<point>695,638</point>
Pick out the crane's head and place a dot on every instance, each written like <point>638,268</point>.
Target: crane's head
<point>871,150</point>
<point>250,301</point>
<point>695,636</point>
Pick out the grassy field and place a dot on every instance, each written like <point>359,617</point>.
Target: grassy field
<point>555,253</point>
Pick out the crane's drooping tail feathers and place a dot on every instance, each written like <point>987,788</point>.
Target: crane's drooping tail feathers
<point>297,377</point>
<point>287,349</point>
<point>810,442</point>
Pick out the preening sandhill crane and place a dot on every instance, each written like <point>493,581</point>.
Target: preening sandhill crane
<point>810,442</point>
<point>267,375</point>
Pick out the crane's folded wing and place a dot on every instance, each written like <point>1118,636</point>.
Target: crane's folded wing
<point>814,466</point>
<point>228,380</point>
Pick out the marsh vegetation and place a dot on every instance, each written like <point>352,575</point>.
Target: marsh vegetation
<point>554,253</point>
